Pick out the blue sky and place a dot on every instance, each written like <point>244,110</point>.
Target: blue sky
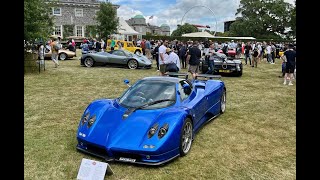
<point>171,12</point>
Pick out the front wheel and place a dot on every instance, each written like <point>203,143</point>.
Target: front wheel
<point>88,62</point>
<point>186,137</point>
<point>223,101</point>
<point>132,64</point>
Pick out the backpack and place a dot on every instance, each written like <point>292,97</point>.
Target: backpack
<point>57,46</point>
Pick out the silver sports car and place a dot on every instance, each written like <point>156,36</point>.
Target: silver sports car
<point>118,57</point>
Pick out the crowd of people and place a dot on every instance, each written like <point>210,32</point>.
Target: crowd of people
<point>172,56</point>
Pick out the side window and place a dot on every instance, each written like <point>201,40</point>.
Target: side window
<point>118,53</point>
<point>184,92</point>
<point>129,45</point>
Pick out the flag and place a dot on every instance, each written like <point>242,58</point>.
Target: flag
<point>151,17</point>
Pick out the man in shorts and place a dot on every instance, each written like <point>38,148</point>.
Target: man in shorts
<point>193,59</point>
<point>289,57</point>
<point>162,57</point>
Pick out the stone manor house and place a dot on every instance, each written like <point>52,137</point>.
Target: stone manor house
<point>71,17</point>
<point>74,17</point>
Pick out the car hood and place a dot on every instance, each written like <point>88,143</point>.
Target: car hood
<point>142,58</point>
<point>111,130</point>
<point>235,61</point>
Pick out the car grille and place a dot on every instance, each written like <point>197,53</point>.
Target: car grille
<point>117,155</point>
<point>97,150</point>
<point>226,67</point>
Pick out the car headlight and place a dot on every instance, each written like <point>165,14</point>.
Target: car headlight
<point>153,130</point>
<point>91,121</point>
<point>163,130</point>
<point>85,118</point>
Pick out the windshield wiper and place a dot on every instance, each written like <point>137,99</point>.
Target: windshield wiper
<point>131,110</point>
<point>152,103</point>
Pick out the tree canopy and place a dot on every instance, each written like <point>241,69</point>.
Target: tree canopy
<point>107,19</point>
<point>37,22</point>
<point>262,19</point>
<point>186,28</point>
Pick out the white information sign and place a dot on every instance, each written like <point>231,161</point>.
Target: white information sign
<point>93,170</point>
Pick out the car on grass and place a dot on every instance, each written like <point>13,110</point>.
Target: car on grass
<point>127,45</point>
<point>63,54</point>
<point>154,121</point>
<point>115,57</point>
<point>223,65</point>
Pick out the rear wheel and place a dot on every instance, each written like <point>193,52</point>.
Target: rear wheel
<point>223,101</point>
<point>88,62</point>
<point>132,64</point>
<point>63,56</point>
<point>186,137</point>
<point>138,52</point>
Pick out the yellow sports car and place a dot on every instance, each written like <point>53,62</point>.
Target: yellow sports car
<point>127,45</point>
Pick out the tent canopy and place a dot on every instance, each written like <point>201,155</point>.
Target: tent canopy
<point>199,34</point>
<point>125,29</point>
<point>208,35</point>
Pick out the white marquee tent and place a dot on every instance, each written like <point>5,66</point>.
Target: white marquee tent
<point>208,35</point>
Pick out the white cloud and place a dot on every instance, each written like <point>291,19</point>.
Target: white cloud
<point>127,12</point>
<point>172,14</point>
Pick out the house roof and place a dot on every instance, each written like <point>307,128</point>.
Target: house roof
<point>138,17</point>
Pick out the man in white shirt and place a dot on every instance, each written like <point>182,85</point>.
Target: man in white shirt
<point>172,58</point>
<point>269,55</point>
<point>162,57</point>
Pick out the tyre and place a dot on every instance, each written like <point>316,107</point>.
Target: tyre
<point>138,52</point>
<point>223,101</point>
<point>132,64</point>
<point>186,137</point>
<point>88,62</point>
<point>63,56</point>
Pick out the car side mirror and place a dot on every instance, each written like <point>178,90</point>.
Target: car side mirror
<point>126,81</point>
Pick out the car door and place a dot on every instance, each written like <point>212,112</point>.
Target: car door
<point>195,101</point>
<point>130,47</point>
<point>118,57</point>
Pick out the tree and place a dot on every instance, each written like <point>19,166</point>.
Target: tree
<point>186,28</point>
<point>262,18</point>
<point>292,21</point>
<point>37,22</point>
<point>107,19</point>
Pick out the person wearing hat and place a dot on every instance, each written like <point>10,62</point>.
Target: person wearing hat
<point>173,61</point>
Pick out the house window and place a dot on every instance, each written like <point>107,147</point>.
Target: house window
<point>78,12</point>
<point>57,30</point>
<point>56,11</point>
<point>79,30</point>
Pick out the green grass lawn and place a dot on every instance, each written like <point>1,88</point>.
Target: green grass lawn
<point>254,139</point>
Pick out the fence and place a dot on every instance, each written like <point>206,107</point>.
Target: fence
<point>32,64</point>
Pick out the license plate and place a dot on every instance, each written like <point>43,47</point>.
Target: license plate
<point>127,159</point>
<point>225,71</point>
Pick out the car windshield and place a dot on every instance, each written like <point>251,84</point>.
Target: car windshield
<point>127,52</point>
<point>147,91</point>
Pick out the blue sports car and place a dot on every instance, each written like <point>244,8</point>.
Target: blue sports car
<point>153,122</point>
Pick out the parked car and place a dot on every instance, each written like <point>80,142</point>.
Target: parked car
<point>63,54</point>
<point>127,45</point>
<point>223,65</point>
<point>231,52</point>
<point>154,121</point>
<point>118,57</point>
